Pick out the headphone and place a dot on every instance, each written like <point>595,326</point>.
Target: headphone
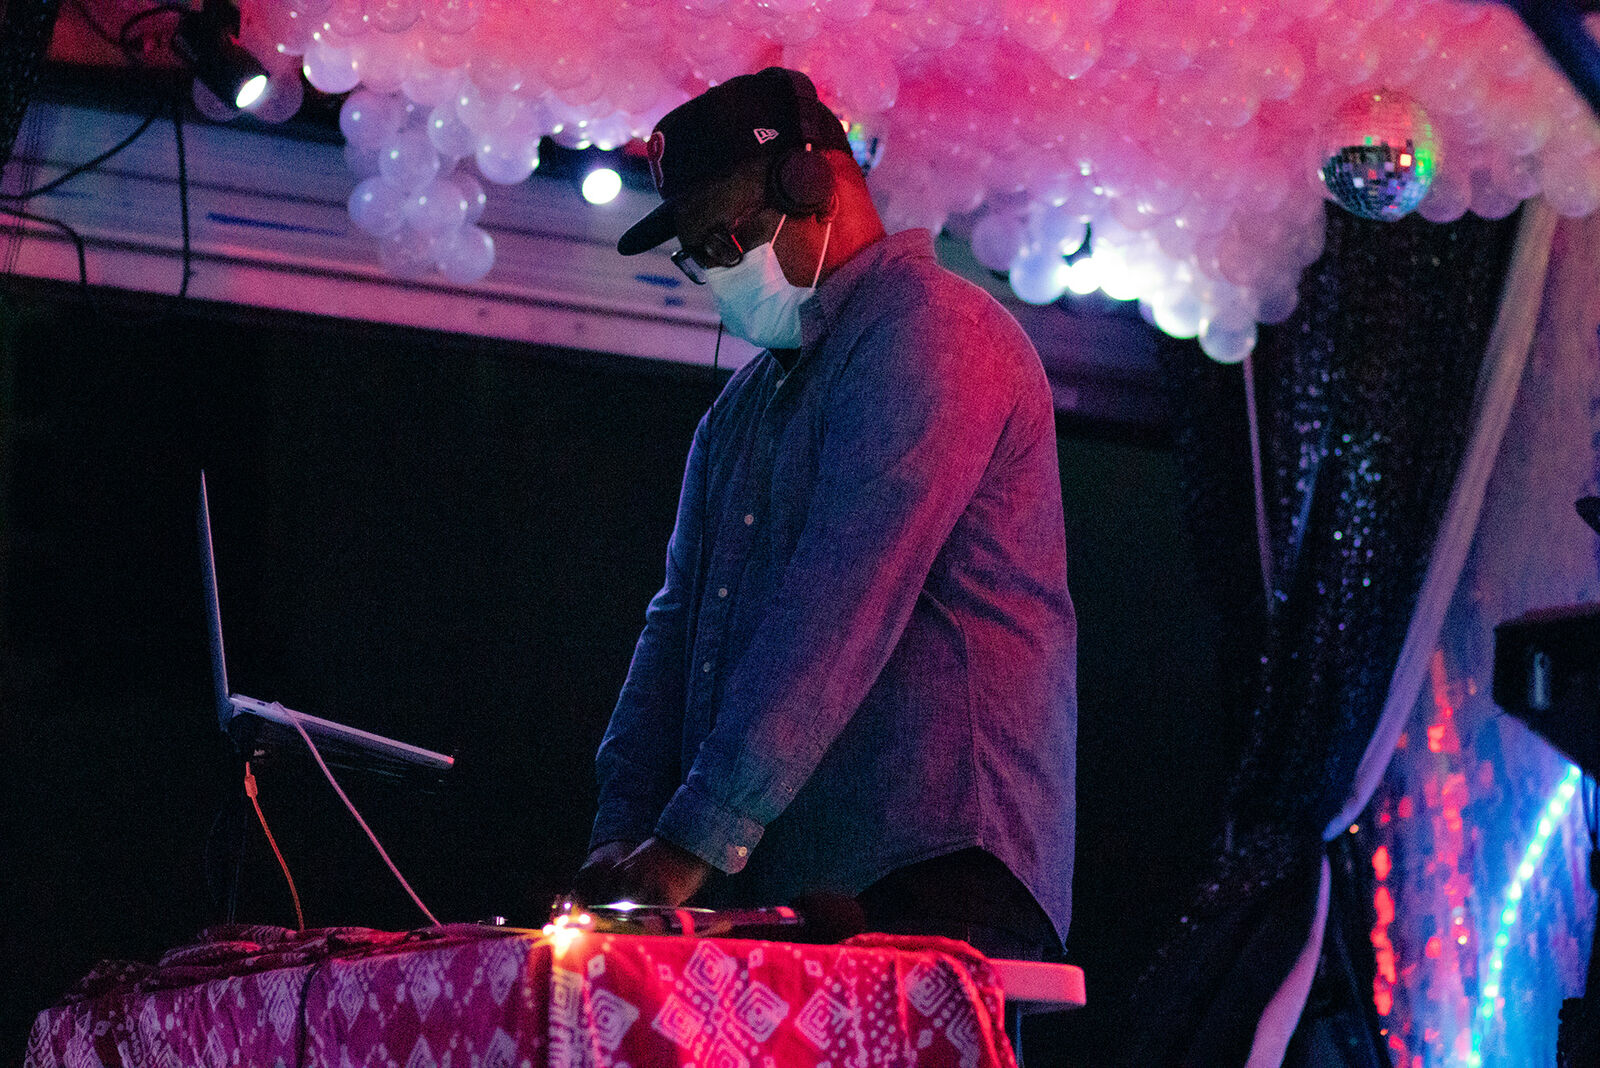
<point>800,180</point>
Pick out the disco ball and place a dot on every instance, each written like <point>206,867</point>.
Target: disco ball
<point>1379,154</point>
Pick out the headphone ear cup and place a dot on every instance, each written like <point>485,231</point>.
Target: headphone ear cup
<point>801,183</point>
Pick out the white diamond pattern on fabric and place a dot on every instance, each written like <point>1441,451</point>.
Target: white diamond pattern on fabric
<point>678,1021</point>
<point>424,974</point>
<point>612,1018</point>
<point>280,994</point>
<point>504,965</point>
<point>823,1019</point>
<point>349,992</point>
<point>422,1055</point>
<point>710,968</point>
<point>759,1011</point>
<point>501,1052</point>
<point>928,987</point>
<point>215,1054</point>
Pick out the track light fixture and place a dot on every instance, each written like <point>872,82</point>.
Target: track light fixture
<point>207,40</point>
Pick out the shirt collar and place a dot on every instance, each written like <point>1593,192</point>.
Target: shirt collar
<point>819,314</point>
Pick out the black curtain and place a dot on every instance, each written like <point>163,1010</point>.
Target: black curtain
<point>25,27</point>
<point>1365,396</point>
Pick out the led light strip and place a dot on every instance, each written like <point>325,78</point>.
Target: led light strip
<point>1554,811</point>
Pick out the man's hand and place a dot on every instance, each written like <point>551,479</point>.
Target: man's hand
<point>595,882</point>
<point>659,873</point>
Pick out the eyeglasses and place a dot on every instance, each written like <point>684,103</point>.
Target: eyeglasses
<point>720,249</point>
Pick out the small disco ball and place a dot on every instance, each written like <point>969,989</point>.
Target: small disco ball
<point>1378,155</point>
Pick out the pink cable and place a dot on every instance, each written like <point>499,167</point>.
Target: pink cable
<point>294,718</point>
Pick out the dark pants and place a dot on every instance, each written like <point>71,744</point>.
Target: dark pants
<point>968,895</point>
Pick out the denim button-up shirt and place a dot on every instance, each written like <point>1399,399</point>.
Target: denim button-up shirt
<point>864,652</point>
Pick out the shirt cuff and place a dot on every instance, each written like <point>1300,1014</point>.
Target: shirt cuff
<point>613,826</point>
<point>716,834</point>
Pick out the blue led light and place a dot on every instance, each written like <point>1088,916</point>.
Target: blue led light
<point>1554,812</point>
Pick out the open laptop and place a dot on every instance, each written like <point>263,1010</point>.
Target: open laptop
<point>273,725</point>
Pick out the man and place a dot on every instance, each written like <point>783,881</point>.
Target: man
<point>859,674</point>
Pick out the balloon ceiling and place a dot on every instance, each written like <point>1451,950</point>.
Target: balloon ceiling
<point>1192,140</point>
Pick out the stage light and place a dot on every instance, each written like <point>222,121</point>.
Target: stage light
<point>601,185</point>
<point>207,40</point>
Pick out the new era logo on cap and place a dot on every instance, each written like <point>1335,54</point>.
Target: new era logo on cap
<point>710,137</point>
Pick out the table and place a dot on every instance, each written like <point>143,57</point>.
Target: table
<point>466,997</point>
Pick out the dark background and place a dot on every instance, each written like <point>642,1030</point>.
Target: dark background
<point>449,541</point>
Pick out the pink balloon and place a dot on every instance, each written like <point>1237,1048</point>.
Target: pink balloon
<point>1448,197</point>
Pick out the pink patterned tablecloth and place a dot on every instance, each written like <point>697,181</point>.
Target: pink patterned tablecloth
<point>464,997</point>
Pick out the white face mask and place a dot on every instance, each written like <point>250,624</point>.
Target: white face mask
<point>757,302</point>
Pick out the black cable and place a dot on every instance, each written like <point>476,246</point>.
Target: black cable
<point>94,24</point>
<point>77,241</point>
<point>303,1019</point>
<point>183,192</point>
<point>73,172</point>
<point>123,39</point>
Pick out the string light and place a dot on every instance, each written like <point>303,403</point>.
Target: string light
<point>1554,811</point>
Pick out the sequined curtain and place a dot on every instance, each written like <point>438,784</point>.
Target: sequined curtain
<point>1462,801</point>
<point>25,27</point>
<point>1365,399</point>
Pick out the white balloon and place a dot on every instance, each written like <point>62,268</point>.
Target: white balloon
<point>368,119</point>
<point>436,209</point>
<point>1038,276</point>
<point>452,16</point>
<point>998,238</point>
<point>429,85</point>
<point>407,254</point>
<point>1448,197</point>
<point>1277,305</point>
<point>394,16</point>
<point>331,69</point>
<point>1571,183</point>
<point>467,256</point>
<point>377,207</point>
<point>485,112</point>
<point>472,191</point>
<point>346,19</point>
<point>1179,317</point>
<point>451,137</point>
<point>1225,343</point>
<point>408,161</point>
<point>381,61</point>
<point>1062,229</point>
<point>362,162</point>
<point>508,160</point>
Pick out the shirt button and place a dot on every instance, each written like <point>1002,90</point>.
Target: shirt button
<point>722,591</point>
<point>749,519</point>
<point>706,667</point>
<point>741,850</point>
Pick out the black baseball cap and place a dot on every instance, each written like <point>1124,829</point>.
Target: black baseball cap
<point>707,138</point>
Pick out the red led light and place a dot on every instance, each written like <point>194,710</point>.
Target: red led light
<point>1383,904</point>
